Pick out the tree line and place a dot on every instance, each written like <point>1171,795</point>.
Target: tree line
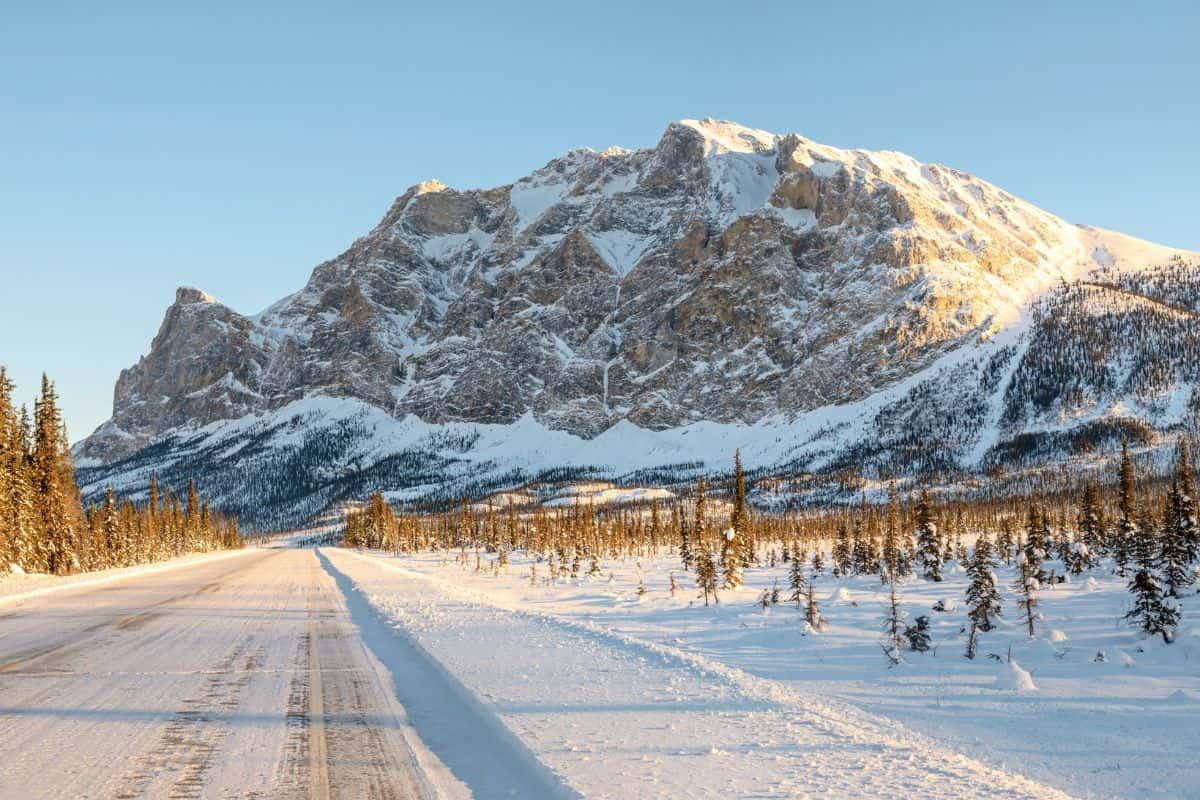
<point>1143,530</point>
<point>44,527</point>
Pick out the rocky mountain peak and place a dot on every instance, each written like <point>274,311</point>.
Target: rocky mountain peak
<point>188,295</point>
<point>725,276</point>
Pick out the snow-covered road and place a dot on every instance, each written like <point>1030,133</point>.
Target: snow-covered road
<point>326,673</point>
<point>237,676</point>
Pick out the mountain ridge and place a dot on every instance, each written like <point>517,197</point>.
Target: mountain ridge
<point>726,276</point>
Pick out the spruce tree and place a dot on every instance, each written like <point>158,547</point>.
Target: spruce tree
<point>842,552</point>
<point>929,550</point>
<point>812,610</point>
<point>1026,587</point>
<point>706,572</point>
<point>739,519</point>
<point>1175,560</point>
<point>1126,530</point>
<point>110,530</point>
<point>686,557</point>
<point>983,598</point>
<point>1150,611</point>
<point>54,485</point>
<point>1091,520</point>
<point>797,582</point>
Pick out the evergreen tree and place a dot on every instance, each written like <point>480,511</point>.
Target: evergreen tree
<point>929,550</point>
<point>812,611</point>
<point>842,552</point>
<point>1126,531</point>
<point>54,484</point>
<point>1091,520</point>
<point>742,546</point>
<point>706,572</point>
<point>1175,559</point>
<point>110,531</point>
<point>797,582</point>
<point>1034,552</point>
<point>1182,534</point>
<point>686,557</point>
<point>983,598</point>
<point>1150,611</point>
<point>1026,587</point>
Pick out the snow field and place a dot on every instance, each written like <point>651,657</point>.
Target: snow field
<point>621,715</point>
<point>1059,714</point>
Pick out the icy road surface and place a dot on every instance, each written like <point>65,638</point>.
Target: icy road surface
<point>302,673</point>
<point>237,676</point>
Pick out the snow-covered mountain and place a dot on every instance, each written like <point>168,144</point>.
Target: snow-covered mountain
<point>826,310</point>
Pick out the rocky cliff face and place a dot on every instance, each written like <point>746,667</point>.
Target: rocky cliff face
<point>726,275</point>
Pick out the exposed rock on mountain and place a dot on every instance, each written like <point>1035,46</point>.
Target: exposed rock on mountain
<point>726,276</point>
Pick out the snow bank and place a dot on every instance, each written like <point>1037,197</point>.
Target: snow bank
<point>1013,678</point>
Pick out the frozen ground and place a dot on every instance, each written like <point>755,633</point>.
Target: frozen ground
<point>1122,727</point>
<point>295,672</point>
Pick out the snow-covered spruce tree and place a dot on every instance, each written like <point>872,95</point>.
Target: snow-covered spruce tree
<point>861,558</point>
<point>731,559</point>
<point>889,564</point>
<point>1181,533</point>
<point>893,623</point>
<point>739,519</point>
<point>706,572</point>
<point>1174,559</point>
<point>917,634</point>
<point>1006,541</point>
<point>797,582</point>
<point>686,557</point>
<point>842,555</point>
<point>929,549</point>
<point>1091,520</point>
<point>812,611</point>
<point>109,531</point>
<point>1034,550</point>
<point>1149,612</point>
<point>1026,586</point>
<point>54,485</point>
<point>1126,529</point>
<point>983,597</point>
<point>818,562</point>
<point>18,547</point>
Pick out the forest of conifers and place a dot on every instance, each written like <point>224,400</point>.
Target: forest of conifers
<point>43,525</point>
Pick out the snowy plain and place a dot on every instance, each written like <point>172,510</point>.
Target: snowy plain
<point>640,695</point>
<point>348,673</point>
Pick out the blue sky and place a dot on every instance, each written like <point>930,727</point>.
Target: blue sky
<point>145,146</point>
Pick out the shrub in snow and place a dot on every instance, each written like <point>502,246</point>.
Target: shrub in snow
<point>945,605</point>
<point>917,634</point>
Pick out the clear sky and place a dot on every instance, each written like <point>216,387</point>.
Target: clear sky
<point>145,146</point>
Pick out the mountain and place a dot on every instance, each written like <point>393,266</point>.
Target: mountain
<point>829,311</point>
